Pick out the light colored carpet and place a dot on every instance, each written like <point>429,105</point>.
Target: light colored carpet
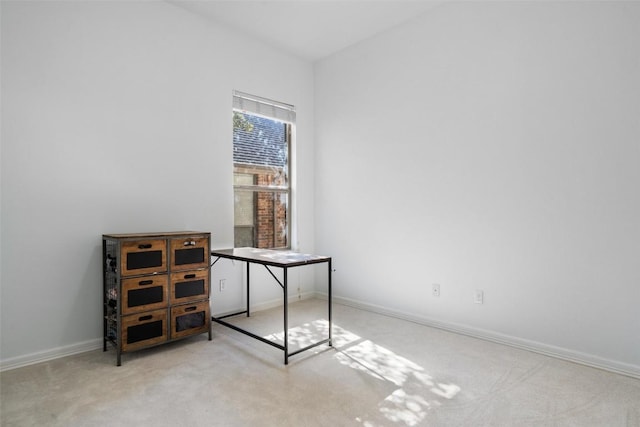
<point>381,372</point>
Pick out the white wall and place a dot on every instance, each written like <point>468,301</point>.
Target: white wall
<point>116,118</point>
<point>493,146</point>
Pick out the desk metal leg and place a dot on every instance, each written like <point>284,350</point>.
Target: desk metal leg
<point>329,291</point>
<point>248,281</point>
<point>286,319</point>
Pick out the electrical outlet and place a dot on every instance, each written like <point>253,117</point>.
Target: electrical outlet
<point>435,290</point>
<point>223,284</point>
<point>479,296</point>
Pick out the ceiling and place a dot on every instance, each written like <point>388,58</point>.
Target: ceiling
<point>309,29</point>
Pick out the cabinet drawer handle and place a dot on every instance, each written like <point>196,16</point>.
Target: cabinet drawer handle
<point>190,308</point>
<point>190,243</point>
<point>144,246</point>
<point>148,317</point>
<point>189,276</point>
<point>145,282</point>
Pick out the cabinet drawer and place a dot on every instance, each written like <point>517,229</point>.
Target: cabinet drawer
<point>144,293</point>
<point>189,285</point>
<point>190,319</point>
<point>189,252</point>
<point>143,256</point>
<point>143,329</point>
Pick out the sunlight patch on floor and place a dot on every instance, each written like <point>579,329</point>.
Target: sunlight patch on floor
<point>381,361</point>
<point>311,332</point>
<point>416,392</point>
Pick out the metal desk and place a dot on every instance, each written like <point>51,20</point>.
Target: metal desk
<point>280,259</point>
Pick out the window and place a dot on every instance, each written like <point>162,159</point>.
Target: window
<point>262,131</point>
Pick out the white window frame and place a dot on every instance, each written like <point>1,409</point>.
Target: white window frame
<point>244,103</point>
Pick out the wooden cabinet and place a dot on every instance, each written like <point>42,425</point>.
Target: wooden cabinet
<point>156,288</point>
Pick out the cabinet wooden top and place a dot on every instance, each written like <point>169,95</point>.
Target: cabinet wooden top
<point>149,235</point>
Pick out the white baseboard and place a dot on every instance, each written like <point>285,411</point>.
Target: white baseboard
<point>534,346</point>
<point>54,353</point>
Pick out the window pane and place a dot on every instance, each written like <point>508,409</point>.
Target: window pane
<point>261,162</point>
<point>269,224</point>
<point>260,146</point>
<point>272,227</point>
<point>244,213</point>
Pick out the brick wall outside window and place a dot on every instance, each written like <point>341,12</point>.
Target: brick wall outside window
<point>270,221</point>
